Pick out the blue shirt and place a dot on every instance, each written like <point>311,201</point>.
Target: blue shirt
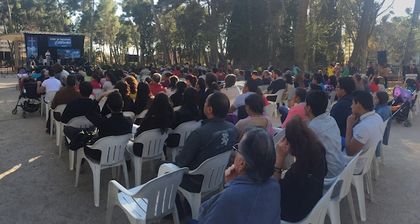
<point>341,111</point>
<point>243,201</point>
<point>384,111</point>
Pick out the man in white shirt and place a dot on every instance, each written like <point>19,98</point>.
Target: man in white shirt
<point>48,86</point>
<point>363,125</point>
<point>250,87</point>
<point>327,131</point>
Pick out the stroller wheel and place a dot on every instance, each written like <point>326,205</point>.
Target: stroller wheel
<point>14,111</point>
<point>407,124</point>
<point>24,114</point>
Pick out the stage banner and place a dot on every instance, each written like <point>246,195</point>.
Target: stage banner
<point>32,47</point>
<point>57,41</point>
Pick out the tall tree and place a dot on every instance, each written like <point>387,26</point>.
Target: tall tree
<point>408,52</point>
<point>107,25</point>
<point>300,33</point>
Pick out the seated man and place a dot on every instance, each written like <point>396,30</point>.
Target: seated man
<point>326,129</point>
<point>66,94</point>
<point>277,84</point>
<point>342,109</point>
<point>215,136</point>
<point>251,196</point>
<point>363,125</point>
<point>115,125</point>
<point>80,106</point>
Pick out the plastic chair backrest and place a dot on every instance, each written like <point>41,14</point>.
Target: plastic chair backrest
<point>60,108</point>
<point>153,142</point>
<point>142,114</point>
<point>366,159</point>
<point>129,114</point>
<point>270,109</point>
<point>346,176</point>
<point>102,102</point>
<point>49,96</point>
<point>213,171</point>
<point>185,129</point>
<point>79,122</point>
<point>318,213</point>
<point>112,147</point>
<point>159,194</point>
<point>279,98</point>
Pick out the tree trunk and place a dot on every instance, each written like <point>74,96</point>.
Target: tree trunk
<point>408,52</point>
<point>359,54</point>
<point>300,34</point>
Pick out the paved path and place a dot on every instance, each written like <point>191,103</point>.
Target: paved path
<point>37,187</point>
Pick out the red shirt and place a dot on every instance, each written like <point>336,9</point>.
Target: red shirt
<point>373,87</point>
<point>95,84</point>
<point>156,88</point>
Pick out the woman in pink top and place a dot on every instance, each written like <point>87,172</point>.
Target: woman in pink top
<point>254,106</point>
<point>298,108</point>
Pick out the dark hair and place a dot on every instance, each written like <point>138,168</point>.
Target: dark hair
<point>180,87</point>
<point>156,77</point>
<point>257,149</point>
<point>71,81</point>
<point>112,78</point>
<point>253,87</point>
<point>230,81</point>
<point>115,101</point>
<point>173,80</point>
<point>301,93</point>
<point>382,97</point>
<point>220,104</point>
<point>364,98</point>
<point>211,81</point>
<point>142,97</point>
<point>376,81</point>
<point>277,72</point>
<point>317,101</point>
<point>190,101</point>
<point>304,145</point>
<point>255,103</point>
<point>122,87</point>
<point>160,111</point>
<point>85,89</point>
<point>318,78</point>
<point>347,83</point>
<point>201,84</point>
<point>192,79</point>
<point>132,83</point>
<point>57,68</point>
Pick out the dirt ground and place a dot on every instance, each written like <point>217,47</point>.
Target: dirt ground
<point>36,185</point>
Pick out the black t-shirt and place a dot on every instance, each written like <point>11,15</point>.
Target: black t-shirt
<point>276,85</point>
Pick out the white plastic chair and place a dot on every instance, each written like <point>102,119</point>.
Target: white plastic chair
<point>318,213</point>
<point>364,162</point>
<point>212,170</point>
<point>76,122</point>
<point>271,111</point>
<point>142,114</point>
<point>153,142</point>
<point>58,125</point>
<point>345,179</point>
<point>48,97</point>
<point>279,96</point>
<point>184,130</point>
<point>130,115</point>
<point>381,152</point>
<point>113,148</point>
<point>148,202</point>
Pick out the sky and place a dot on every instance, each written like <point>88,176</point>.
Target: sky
<point>399,6</point>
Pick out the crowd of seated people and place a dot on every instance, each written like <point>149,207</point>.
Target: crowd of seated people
<point>320,139</point>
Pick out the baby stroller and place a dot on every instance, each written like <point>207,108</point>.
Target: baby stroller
<point>403,103</point>
<point>29,100</point>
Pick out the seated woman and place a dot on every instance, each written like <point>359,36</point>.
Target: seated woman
<point>178,96</point>
<point>251,196</point>
<point>132,83</point>
<point>302,186</point>
<point>189,109</point>
<point>254,106</point>
<point>159,115</point>
<point>230,89</point>
<point>143,98</point>
<point>128,104</point>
